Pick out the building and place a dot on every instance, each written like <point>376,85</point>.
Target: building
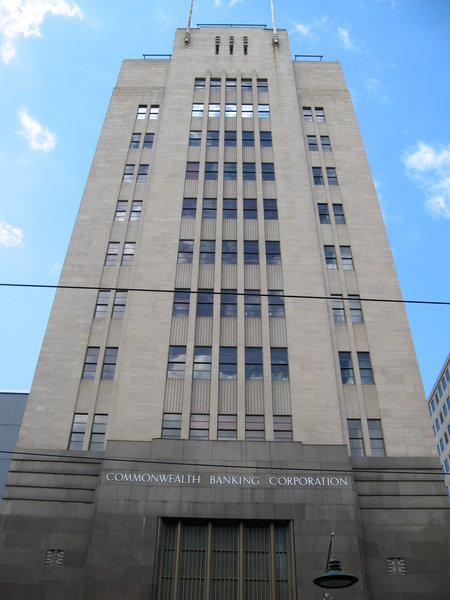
<point>12,407</point>
<point>439,409</point>
<point>218,394</point>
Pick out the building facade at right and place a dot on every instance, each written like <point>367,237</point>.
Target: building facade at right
<point>439,411</point>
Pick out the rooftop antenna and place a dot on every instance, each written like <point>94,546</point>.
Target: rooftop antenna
<point>187,35</point>
<point>275,39</point>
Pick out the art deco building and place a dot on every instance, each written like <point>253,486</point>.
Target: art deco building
<point>217,390</point>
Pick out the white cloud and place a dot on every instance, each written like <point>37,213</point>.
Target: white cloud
<point>430,169</point>
<point>303,29</point>
<point>38,137</point>
<point>25,17</point>
<point>346,41</point>
<point>10,236</point>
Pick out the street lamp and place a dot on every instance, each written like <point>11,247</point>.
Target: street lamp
<point>334,577</point>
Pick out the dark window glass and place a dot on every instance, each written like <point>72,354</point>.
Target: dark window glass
<point>265,138</point>
<point>346,365</point>
<point>252,303</point>
<point>248,139</point>
<point>109,363</point>
<point>337,305</point>
<point>250,208</point>
<point>229,208</point>
<point>268,171</point>
<point>195,138</point>
<point>199,427</point>
<point>276,304</point>
<point>229,252</point>
<point>207,252</point>
<point>185,251</point>
<point>112,253</point>
<point>376,437</point>
<point>346,257</point>
<point>262,85</point>
<point>355,437</point>
<point>365,368</point>
<point>181,299</point>
<point>171,427</point>
<point>120,301</point>
<point>211,170</point>
<point>189,208</point>
<point>209,208</point>
<point>227,362</point>
<point>230,85</point>
<point>251,253</point>
<point>317,175</point>
<point>246,85</point>
<point>128,253</point>
<point>230,138</point>
<point>331,175</point>
<point>270,210</point>
<point>98,432</point>
<point>121,210</point>
<point>215,83</point>
<point>192,169</point>
<point>324,215</point>
<point>273,253</point>
<point>128,173</point>
<point>229,171</point>
<point>355,308</point>
<point>325,141</point>
<point>202,362</point>
<point>282,428</point>
<point>136,210</point>
<point>226,427</point>
<point>253,363</point>
<point>249,171</point>
<point>212,138</point>
<point>78,431</point>
<point>135,141</point>
<point>228,303</point>
<point>320,114</point>
<point>330,257</point>
<point>199,83</point>
<point>279,364</point>
<point>338,211</point>
<point>307,114</point>
<point>254,428</point>
<point>90,362</point>
<point>148,140</point>
<point>205,303</point>
<point>312,143</point>
<point>176,363</point>
<point>102,304</point>
<point>142,173</point>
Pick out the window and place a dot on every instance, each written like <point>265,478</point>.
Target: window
<point>324,215</point>
<point>90,362</point>
<point>276,304</point>
<point>346,257</point>
<point>337,305</point>
<point>229,208</point>
<point>246,85</point>
<point>227,362</point>
<point>253,364</point>
<point>330,257</point>
<point>120,300</point>
<point>282,428</point>
<point>98,433</point>
<point>217,43</point>
<point>312,143</point>
<point>331,175</point>
<point>307,114</point>
<point>265,138</point>
<point>202,362</point>
<point>228,303</point>
<point>270,210</point>
<point>121,210</point>
<point>214,111</point>
<point>207,252</point>
<point>230,84</point>
<point>230,111</point>
<point>279,364</point>
<point>197,110</point>
<point>102,304</point>
<point>263,111</point>
<point>355,308</point>
<point>252,303</point>
<point>181,300</point>
<point>346,365</point>
<point>185,251</point>
<point>230,139</point>
<point>142,173</point>
<point>136,210</point>
<point>211,169</point>
<point>254,428</point>
<point>325,142</point>
<point>112,254</point>
<point>215,84</point>
<point>177,362</point>
<point>109,363</point>
<point>128,253</point>
<point>199,427</point>
<point>141,112</point>
<point>154,112</point>
<point>229,252</point>
<point>355,437</point>
<point>248,139</point>
<point>365,368</point>
<point>135,141</point>
<point>229,171</point>
<point>320,114</point>
<point>226,427</point>
<point>317,175</point>
<point>78,431</point>
<point>212,138</point>
<point>376,437</point>
<point>192,169</point>
<point>338,211</point>
<point>148,141</point>
<point>209,208</point>
<point>249,171</point>
<point>262,85</point>
<point>171,426</point>
<point>273,253</point>
<point>250,208</point>
<point>251,253</point>
<point>247,111</point>
<point>189,208</point>
<point>205,303</point>
<point>128,173</point>
<point>268,171</point>
<point>195,138</point>
<point>200,83</point>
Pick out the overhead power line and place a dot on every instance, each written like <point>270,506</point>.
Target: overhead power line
<point>202,290</point>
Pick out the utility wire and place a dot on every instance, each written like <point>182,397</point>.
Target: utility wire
<point>227,291</point>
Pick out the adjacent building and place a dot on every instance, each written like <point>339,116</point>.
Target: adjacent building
<point>12,407</point>
<point>221,388</point>
<point>439,409</point>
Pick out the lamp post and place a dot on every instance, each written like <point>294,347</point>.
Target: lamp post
<point>334,577</point>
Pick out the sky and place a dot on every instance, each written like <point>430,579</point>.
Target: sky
<point>59,60</point>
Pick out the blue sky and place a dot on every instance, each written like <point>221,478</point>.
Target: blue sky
<point>59,61</point>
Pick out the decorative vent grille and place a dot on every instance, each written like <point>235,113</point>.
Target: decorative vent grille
<point>54,558</point>
<point>396,566</point>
